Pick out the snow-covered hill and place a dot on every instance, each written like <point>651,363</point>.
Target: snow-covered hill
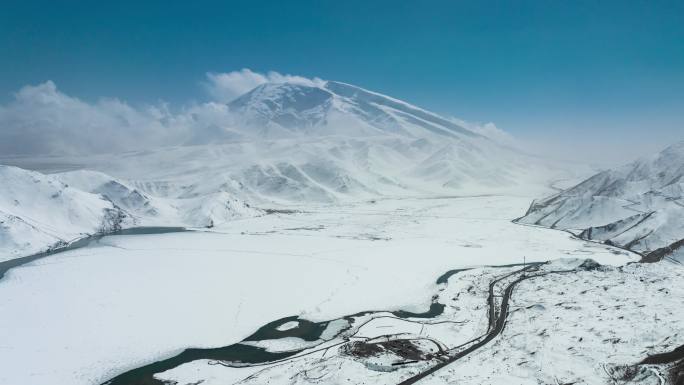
<point>39,210</point>
<point>639,206</point>
<point>172,209</point>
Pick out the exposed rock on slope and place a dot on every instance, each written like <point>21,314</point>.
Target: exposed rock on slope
<point>639,206</point>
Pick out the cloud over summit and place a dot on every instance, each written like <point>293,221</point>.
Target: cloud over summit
<point>226,86</point>
<point>42,120</point>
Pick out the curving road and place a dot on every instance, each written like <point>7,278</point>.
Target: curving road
<point>497,320</point>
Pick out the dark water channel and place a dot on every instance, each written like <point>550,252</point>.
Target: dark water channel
<point>245,354</point>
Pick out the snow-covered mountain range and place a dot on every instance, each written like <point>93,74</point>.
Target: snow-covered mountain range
<point>326,140</point>
<point>639,206</point>
<point>38,210</point>
<point>317,142</point>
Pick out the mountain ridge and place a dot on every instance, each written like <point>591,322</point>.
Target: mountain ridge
<point>294,106</point>
<point>638,206</point>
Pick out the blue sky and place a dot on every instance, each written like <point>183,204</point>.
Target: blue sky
<point>562,69</point>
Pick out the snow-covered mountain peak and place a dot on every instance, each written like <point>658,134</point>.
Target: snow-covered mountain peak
<point>670,161</point>
<point>334,108</point>
<point>676,149</point>
<point>283,96</point>
<point>654,172</point>
<point>288,105</point>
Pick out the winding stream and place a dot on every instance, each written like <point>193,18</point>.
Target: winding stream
<point>240,353</point>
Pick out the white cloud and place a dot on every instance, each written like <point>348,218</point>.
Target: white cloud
<point>224,87</point>
<point>43,120</point>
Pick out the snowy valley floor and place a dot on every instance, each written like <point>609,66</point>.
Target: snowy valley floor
<point>87,315</point>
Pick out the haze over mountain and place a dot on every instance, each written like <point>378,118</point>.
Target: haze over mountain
<point>298,140</point>
<point>331,125</point>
